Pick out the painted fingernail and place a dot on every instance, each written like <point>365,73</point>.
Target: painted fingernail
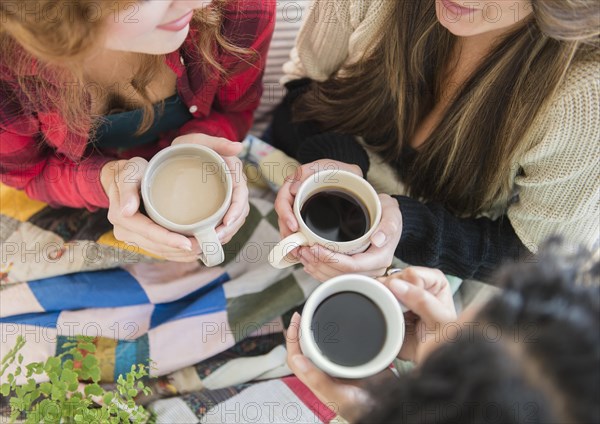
<point>296,316</point>
<point>300,363</point>
<point>399,286</point>
<point>379,239</point>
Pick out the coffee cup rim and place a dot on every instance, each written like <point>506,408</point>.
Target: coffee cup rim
<point>156,161</point>
<point>323,241</point>
<point>376,292</point>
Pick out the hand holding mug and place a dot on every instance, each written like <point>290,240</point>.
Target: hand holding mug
<point>348,398</point>
<point>325,257</point>
<point>188,188</point>
<point>334,208</point>
<point>351,328</point>
<point>426,293</point>
<point>323,264</point>
<point>121,181</point>
<point>239,209</point>
<point>284,203</point>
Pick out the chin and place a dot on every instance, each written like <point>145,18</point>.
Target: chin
<point>167,42</point>
<point>460,29</point>
<point>159,42</point>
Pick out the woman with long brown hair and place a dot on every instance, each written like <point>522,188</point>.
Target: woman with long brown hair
<point>487,113</point>
<point>90,90</point>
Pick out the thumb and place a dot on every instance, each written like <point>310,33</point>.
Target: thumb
<point>129,186</point>
<point>220,145</point>
<point>228,148</point>
<point>297,179</point>
<point>390,227</point>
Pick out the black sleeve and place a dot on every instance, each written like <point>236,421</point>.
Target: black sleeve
<point>464,247</point>
<point>304,141</point>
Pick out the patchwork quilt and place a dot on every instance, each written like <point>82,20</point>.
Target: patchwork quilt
<point>212,335</point>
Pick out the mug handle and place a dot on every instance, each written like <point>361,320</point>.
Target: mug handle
<point>212,250</point>
<point>279,254</point>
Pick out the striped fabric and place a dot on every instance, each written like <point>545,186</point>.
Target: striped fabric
<point>290,14</point>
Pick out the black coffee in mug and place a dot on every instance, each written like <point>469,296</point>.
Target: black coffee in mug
<point>336,215</point>
<point>349,329</point>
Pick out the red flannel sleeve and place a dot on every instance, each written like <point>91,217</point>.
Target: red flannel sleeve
<point>249,24</point>
<point>30,165</point>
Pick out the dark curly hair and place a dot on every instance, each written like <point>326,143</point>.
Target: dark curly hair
<point>544,368</point>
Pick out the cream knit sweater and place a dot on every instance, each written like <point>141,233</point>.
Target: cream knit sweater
<point>559,182</point>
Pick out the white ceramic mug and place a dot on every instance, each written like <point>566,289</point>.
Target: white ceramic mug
<point>325,181</point>
<point>386,302</point>
<point>204,230</point>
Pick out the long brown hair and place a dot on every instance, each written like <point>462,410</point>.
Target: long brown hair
<point>466,162</point>
<point>60,33</point>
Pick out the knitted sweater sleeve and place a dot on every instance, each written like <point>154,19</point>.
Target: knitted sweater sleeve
<point>559,188</point>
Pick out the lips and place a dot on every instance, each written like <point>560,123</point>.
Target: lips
<point>178,24</point>
<point>457,9</point>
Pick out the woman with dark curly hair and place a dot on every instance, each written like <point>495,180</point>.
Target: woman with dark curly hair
<point>529,355</point>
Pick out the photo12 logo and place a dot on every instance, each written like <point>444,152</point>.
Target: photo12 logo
<point>69,11</point>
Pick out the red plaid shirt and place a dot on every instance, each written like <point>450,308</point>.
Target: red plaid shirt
<point>39,155</point>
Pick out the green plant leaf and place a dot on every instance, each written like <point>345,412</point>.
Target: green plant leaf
<point>53,377</point>
<point>93,390</point>
<point>5,389</point>
<point>52,364</point>
<point>108,397</point>
<point>46,388</point>
<point>68,376</point>
<point>20,391</point>
<point>89,361</point>
<point>73,386</point>
<point>57,393</point>
<point>16,403</point>
<point>95,374</point>
<point>31,385</point>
